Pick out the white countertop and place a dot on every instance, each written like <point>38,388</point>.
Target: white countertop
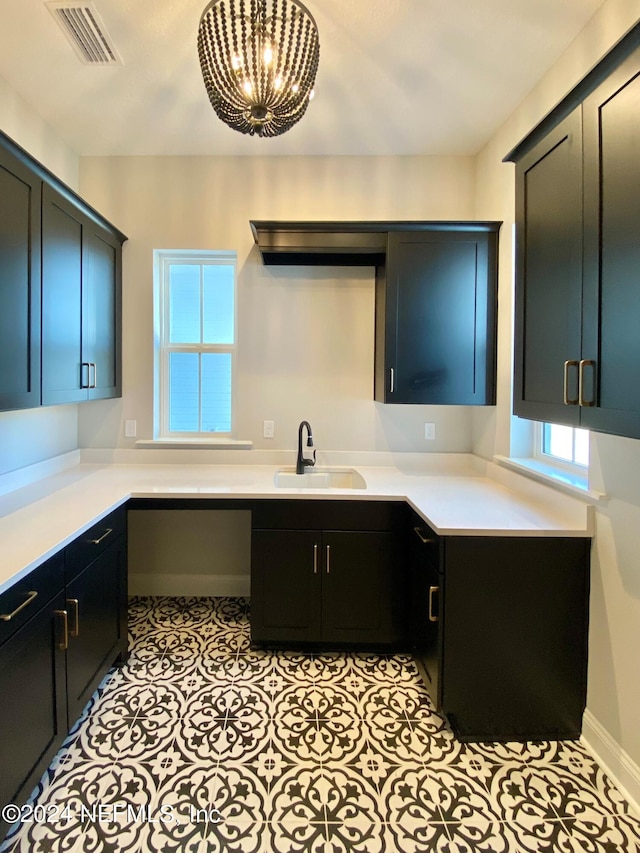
<point>465,498</point>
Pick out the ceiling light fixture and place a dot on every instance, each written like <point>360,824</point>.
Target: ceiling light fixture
<point>259,60</point>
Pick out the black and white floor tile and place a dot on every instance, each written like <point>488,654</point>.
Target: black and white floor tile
<point>200,744</point>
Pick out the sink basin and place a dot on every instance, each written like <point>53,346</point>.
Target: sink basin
<point>319,478</point>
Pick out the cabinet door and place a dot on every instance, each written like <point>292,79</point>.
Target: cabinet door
<point>64,378</point>
<point>285,586</point>
<point>515,631</point>
<point>94,601</point>
<point>425,606</point>
<point>440,307</point>
<point>33,710</point>
<point>20,192</point>
<point>102,311</point>
<point>358,590</point>
<point>611,347</point>
<point>549,276</point>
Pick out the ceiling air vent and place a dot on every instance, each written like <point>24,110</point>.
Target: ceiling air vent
<point>84,28</point>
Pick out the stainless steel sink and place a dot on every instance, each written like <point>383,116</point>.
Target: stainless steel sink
<point>319,478</point>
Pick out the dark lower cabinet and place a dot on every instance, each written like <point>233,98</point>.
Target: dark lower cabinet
<point>359,572</point>
<point>62,627</point>
<point>500,630</point>
<point>286,604</point>
<point>337,588</point>
<point>95,639</point>
<point>33,710</point>
<point>424,604</point>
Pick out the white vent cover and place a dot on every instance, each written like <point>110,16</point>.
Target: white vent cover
<point>83,26</point>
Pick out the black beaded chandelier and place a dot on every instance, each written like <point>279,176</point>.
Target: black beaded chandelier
<point>259,60</point>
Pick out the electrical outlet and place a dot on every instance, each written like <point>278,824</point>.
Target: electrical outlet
<point>130,429</point>
<point>268,429</point>
<point>429,432</point>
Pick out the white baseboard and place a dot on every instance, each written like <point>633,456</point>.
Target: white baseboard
<point>189,585</point>
<point>616,763</point>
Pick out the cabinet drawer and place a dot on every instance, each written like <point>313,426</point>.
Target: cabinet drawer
<point>94,541</point>
<point>19,603</point>
<point>327,515</point>
<point>425,544</point>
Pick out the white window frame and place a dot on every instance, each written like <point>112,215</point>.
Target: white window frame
<point>163,260</point>
<point>575,468</point>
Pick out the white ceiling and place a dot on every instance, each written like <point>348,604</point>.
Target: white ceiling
<point>395,76</point>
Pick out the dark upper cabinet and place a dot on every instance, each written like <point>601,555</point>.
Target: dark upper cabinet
<point>549,276</point>
<point>102,314</point>
<point>611,322</point>
<point>436,303</point>
<point>60,290</point>
<point>577,346</point>
<point>81,305</point>
<point>19,284</point>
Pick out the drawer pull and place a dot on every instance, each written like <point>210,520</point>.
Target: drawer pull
<point>75,631</point>
<point>63,645</point>
<point>424,539</point>
<point>7,617</point>
<point>107,532</point>
<point>432,591</point>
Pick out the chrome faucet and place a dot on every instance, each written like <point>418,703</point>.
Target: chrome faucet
<point>301,462</point>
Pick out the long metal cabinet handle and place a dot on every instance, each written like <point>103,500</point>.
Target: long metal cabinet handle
<point>75,631</point>
<point>424,539</point>
<point>315,559</point>
<point>432,591</point>
<point>568,401</point>
<point>94,384</point>
<point>328,559</point>
<point>586,362</point>
<point>7,617</point>
<point>63,645</point>
<point>86,384</point>
<point>107,532</point>
<point>392,380</point>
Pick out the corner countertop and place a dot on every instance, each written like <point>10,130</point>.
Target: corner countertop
<point>458,496</point>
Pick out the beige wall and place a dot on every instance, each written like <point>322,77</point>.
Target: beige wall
<point>614,662</point>
<point>305,335</point>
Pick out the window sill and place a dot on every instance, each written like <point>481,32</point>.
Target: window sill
<point>191,443</point>
<point>562,480</point>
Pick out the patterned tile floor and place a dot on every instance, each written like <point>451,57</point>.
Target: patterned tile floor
<point>199,744</point>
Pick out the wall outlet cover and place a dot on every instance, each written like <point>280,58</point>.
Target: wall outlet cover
<point>429,432</point>
<point>268,429</point>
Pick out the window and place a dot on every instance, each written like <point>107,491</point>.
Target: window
<point>563,444</point>
<point>195,343</point>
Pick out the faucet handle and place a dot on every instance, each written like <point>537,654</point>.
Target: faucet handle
<point>313,462</point>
